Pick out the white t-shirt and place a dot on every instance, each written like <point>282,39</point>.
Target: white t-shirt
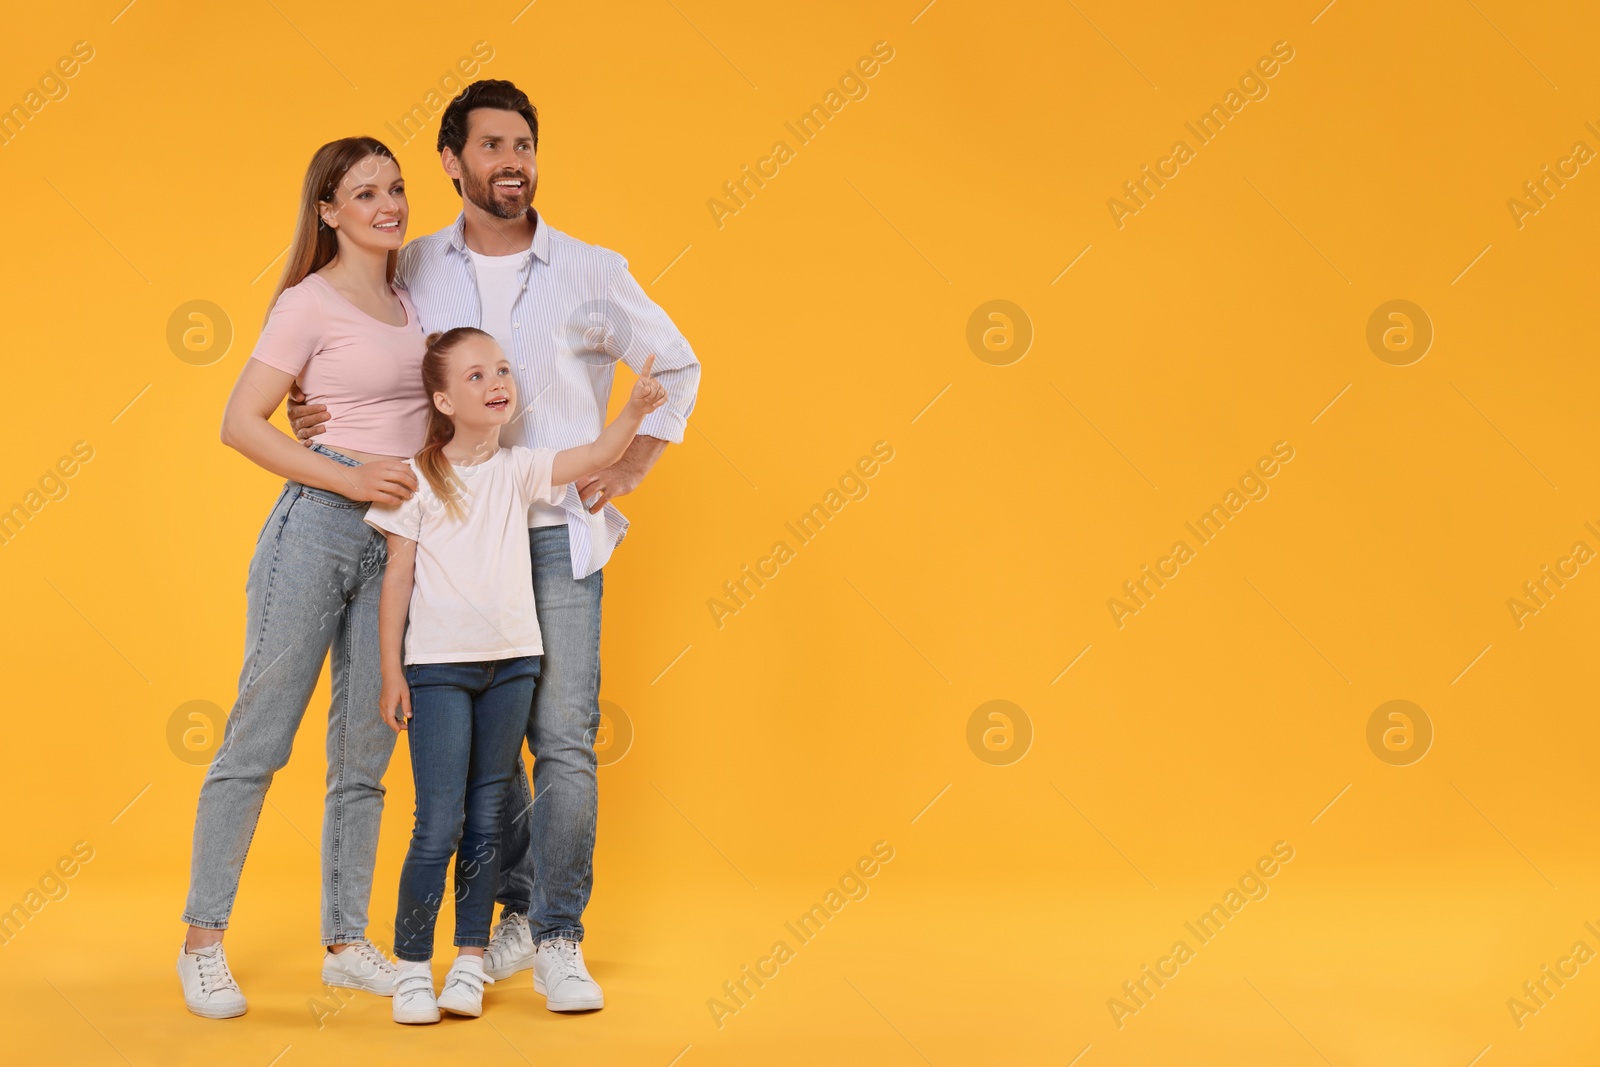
<point>499,285</point>
<point>472,594</point>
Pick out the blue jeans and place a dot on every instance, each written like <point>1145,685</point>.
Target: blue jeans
<point>467,721</point>
<point>548,844</point>
<point>313,584</point>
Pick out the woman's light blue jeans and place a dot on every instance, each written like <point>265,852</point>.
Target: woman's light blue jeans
<point>313,586</point>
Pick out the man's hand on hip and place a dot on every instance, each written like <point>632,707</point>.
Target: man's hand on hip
<point>305,419</point>
<point>623,476</point>
<point>618,480</point>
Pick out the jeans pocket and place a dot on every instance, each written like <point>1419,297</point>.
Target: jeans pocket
<point>277,505</point>
<point>327,499</point>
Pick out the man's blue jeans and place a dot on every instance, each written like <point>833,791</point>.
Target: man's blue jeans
<point>548,843</point>
<point>467,722</point>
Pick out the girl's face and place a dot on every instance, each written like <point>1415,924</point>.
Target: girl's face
<point>480,392</point>
<point>369,208</point>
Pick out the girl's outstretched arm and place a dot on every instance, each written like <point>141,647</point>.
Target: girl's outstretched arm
<point>570,464</point>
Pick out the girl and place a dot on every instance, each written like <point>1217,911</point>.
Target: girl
<point>459,567</point>
<point>339,329</point>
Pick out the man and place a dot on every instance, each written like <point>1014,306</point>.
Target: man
<point>564,312</point>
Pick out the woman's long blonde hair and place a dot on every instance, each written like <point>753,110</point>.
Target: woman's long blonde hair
<point>431,460</point>
<point>315,243</point>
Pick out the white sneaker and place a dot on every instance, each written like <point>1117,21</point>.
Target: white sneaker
<point>463,987</point>
<point>208,986</point>
<point>559,973</point>
<point>511,948</point>
<point>414,1001</point>
<point>360,966</point>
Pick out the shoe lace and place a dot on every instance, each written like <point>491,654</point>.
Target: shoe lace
<point>369,954</point>
<point>507,933</point>
<point>568,957</point>
<point>214,974</point>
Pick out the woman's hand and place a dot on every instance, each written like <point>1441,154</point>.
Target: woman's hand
<point>394,701</point>
<point>383,481</point>
<point>648,394</point>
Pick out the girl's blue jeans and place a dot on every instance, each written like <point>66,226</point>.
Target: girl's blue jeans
<point>466,729</point>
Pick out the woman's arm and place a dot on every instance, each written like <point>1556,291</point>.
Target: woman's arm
<point>570,464</point>
<point>245,428</point>
<point>394,601</point>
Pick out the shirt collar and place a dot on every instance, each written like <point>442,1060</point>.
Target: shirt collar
<point>541,235</point>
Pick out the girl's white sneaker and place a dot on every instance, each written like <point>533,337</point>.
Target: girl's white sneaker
<point>463,987</point>
<point>208,986</point>
<point>414,1001</point>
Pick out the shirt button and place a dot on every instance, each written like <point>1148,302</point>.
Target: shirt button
<point>516,325</point>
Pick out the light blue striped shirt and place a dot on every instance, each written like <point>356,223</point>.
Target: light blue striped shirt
<point>578,311</point>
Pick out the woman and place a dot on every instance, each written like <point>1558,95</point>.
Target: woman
<point>338,328</point>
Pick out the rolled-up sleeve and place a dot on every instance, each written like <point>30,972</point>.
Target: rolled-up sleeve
<point>651,331</point>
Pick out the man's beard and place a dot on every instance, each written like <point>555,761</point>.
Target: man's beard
<point>498,204</point>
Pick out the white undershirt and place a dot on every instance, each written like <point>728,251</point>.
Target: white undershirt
<point>499,285</point>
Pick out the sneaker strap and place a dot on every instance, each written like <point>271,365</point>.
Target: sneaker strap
<point>412,982</point>
<point>474,980</point>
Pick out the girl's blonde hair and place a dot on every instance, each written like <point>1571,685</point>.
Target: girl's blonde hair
<point>315,244</point>
<point>431,460</point>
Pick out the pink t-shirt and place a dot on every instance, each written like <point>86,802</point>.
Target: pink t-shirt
<point>368,373</point>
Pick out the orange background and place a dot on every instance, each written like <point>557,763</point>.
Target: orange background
<point>1040,860</point>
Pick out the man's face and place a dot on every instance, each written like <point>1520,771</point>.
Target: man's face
<point>496,166</point>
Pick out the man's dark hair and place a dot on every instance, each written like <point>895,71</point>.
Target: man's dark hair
<point>493,93</point>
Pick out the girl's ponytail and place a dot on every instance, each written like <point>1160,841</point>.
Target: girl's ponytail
<point>431,460</point>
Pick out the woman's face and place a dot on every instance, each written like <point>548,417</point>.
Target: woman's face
<point>369,208</point>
